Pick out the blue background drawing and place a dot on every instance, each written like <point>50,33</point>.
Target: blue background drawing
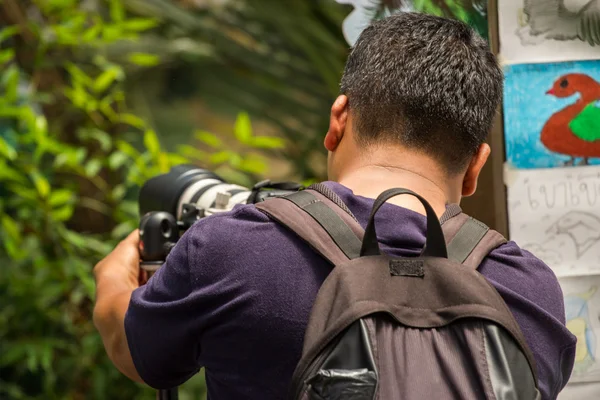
<point>527,107</point>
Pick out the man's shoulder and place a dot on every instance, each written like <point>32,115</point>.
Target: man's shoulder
<point>517,270</point>
<point>227,235</point>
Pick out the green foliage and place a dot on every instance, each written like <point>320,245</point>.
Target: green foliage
<point>72,159</point>
<point>242,166</point>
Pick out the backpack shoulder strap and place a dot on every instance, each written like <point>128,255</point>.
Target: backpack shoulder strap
<point>468,240</point>
<point>330,230</point>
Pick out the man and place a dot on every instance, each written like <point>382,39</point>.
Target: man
<point>418,97</point>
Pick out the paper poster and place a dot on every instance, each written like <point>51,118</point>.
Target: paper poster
<point>473,12</point>
<point>534,31</point>
<point>582,308</point>
<point>555,214</point>
<point>580,391</point>
<point>552,114</point>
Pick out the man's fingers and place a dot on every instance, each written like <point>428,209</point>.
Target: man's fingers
<point>133,237</point>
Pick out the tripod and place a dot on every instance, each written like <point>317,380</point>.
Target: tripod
<point>167,394</point>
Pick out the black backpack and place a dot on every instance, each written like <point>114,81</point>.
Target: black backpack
<point>428,327</point>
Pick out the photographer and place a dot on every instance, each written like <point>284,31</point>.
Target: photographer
<point>419,94</point>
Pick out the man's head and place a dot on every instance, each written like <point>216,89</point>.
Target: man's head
<point>424,84</point>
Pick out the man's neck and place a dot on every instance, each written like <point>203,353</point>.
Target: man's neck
<point>373,179</point>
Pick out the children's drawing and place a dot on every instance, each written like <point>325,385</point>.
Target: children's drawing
<point>578,322</point>
<point>473,12</point>
<point>582,308</point>
<point>582,227</point>
<point>549,30</point>
<point>552,114</point>
<point>553,213</point>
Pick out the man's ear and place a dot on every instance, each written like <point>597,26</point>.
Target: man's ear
<point>474,169</point>
<point>337,123</point>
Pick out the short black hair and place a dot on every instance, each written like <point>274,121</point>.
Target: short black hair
<point>429,83</point>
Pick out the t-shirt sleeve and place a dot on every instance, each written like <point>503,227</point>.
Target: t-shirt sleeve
<point>533,294</point>
<point>162,329</point>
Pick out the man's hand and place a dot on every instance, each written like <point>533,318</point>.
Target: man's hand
<point>117,276</point>
<point>123,264</point>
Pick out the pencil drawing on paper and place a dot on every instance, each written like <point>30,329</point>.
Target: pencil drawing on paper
<point>580,325</point>
<point>583,228</point>
<point>561,20</point>
<point>473,12</point>
<point>575,233</point>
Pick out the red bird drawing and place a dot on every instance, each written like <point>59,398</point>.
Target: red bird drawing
<point>575,130</point>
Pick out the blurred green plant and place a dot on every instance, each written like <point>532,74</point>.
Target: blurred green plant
<point>72,158</point>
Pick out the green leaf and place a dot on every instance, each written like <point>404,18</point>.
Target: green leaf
<point>139,24</point>
<point>92,167</point>
<point>7,55</point>
<point>63,213</point>
<point>112,33</point>
<point>163,163</point>
<point>243,128</point>
<point>10,81</point>
<point>128,149</point>
<point>132,120</point>
<point>254,165</point>
<point>11,354</point>
<point>117,160</point>
<point>176,159</point>
<point>220,157</point>
<point>103,138</point>
<point>106,78</point>
<point>78,76</point>
<point>144,59</point>
<point>7,150</point>
<point>208,138</point>
<point>151,142</point>
<point>8,32</point>
<point>192,152</point>
<point>11,228</point>
<point>10,174</point>
<point>24,192</point>
<point>41,183</point>
<point>267,142</point>
<point>93,32</point>
<point>118,192</point>
<point>117,10</point>
<point>123,229</point>
<point>61,197</point>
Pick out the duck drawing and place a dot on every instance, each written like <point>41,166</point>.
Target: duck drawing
<point>574,131</point>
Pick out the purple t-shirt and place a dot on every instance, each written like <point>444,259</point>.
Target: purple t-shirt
<point>235,294</point>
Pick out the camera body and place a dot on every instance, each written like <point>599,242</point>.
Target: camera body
<point>171,203</point>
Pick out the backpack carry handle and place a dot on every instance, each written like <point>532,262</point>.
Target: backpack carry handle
<point>435,244</point>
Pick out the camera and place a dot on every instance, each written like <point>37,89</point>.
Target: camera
<point>171,203</point>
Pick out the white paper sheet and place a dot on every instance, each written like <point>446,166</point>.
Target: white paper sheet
<point>540,34</point>
<point>582,307</point>
<point>580,391</point>
<point>555,214</point>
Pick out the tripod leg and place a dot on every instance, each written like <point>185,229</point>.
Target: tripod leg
<point>167,394</point>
